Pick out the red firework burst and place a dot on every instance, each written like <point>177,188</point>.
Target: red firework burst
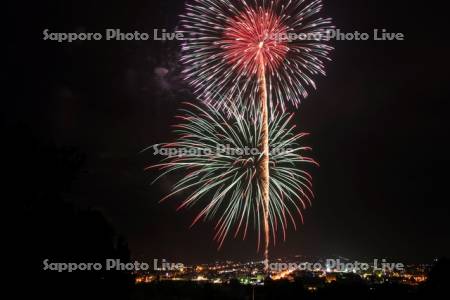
<point>251,39</point>
<point>228,40</point>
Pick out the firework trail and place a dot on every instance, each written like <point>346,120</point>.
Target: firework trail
<point>218,153</point>
<point>265,52</point>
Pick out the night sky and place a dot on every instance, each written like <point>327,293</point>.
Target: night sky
<point>378,122</point>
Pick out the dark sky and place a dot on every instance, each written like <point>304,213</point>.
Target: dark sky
<point>378,122</point>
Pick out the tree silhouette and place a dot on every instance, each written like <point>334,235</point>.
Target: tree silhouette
<point>49,226</point>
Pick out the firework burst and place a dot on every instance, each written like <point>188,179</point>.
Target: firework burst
<point>218,154</point>
<point>228,40</point>
<point>262,52</point>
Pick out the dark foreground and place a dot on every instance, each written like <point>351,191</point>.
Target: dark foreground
<point>283,290</point>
